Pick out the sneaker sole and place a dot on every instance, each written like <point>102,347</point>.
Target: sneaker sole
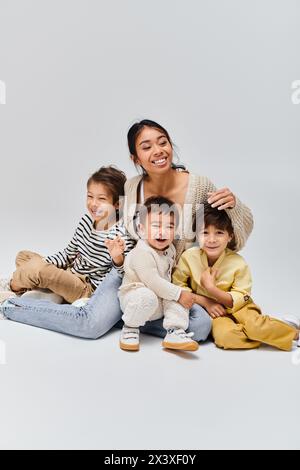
<point>180,346</point>
<point>129,347</point>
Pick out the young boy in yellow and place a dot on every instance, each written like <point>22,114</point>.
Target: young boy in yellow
<point>221,282</point>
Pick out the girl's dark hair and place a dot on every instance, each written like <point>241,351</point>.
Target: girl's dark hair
<point>216,218</point>
<point>135,131</point>
<point>112,178</point>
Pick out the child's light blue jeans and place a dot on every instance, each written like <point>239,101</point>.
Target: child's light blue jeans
<point>95,318</point>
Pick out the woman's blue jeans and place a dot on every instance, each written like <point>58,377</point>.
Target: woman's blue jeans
<point>94,319</point>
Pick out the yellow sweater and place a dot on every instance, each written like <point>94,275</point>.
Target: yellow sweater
<point>233,276</point>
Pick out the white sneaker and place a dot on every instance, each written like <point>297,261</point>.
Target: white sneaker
<point>5,284</point>
<point>130,339</point>
<point>177,338</point>
<point>43,294</point>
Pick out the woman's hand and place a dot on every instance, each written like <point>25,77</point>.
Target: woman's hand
<point>222,199</point>
<point>116,249</point>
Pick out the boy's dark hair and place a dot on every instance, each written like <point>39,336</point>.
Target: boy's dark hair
<point>158,204</point>
<point>219,219</point>
<point>112,178</point>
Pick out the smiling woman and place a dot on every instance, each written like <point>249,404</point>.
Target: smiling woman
<point>151,150</point>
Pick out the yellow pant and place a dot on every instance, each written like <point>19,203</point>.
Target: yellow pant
<point>248,328</point>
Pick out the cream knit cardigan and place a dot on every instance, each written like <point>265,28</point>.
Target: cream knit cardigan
<point>146,267</point>
<point>197,190</point>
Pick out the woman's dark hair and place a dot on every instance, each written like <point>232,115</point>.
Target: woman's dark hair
<point>112,178</point>
<point>135,131</point>
<point>216,218</point>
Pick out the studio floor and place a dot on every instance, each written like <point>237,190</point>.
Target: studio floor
<point>60,392</point>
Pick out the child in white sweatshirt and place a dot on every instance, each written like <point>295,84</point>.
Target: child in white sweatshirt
<point>147,293</point>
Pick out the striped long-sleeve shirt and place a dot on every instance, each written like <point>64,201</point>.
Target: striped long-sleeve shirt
<point>87,254</point>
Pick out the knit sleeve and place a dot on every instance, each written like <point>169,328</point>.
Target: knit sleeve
<point>145,267</point>
<point>240,215</point>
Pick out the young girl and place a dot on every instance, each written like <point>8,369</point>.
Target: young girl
<point>221,281</point>
<point>75,272</point>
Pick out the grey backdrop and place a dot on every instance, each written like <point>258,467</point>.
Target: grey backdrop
<point>216,74</point>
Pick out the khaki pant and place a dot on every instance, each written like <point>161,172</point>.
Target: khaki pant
<point>248,328</point>
<point>34,272</point>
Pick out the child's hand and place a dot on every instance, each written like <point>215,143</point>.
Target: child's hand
<point>214,309</point>
<point>116,249</point>
<point>186,299</point>
<point>208,278</point>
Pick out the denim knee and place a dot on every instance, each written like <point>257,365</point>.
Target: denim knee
<point>200,323</point>
<point>92,330</point>
<point>94,333</point>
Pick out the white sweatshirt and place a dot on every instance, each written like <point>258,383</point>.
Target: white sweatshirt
<point>146,267</point>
